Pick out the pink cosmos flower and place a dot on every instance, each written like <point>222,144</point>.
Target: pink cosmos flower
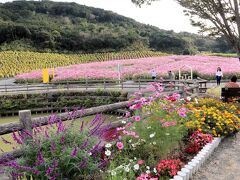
<point>137,118</point>
<point>129,124</point>
<point>182,114</point>
<point>169,123</point>
<point>120,145</point>
<point>128,114</point>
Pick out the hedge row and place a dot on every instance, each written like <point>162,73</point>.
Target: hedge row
<point>59,100</point>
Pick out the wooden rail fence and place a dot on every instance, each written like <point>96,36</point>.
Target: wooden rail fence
<point>96,84</point>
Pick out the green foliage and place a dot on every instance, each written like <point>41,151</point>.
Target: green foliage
<point>159,133</point>
<point>60,154</point>
<point>47,26</point>
<point>59,100</point>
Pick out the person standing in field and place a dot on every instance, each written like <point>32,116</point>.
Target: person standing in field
<point>219,76</point>
<point>154,74</point>
<point>171,75</point>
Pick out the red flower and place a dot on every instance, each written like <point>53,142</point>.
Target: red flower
<point>169,167</point>
<point>140,162</point>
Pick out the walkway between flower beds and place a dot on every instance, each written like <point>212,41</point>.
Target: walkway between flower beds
<point>224,164</point>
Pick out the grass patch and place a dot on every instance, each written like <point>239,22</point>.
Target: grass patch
<point>220,54</point>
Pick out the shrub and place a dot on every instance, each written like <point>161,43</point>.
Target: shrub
<point>156,130</point>
<point>58,152</point>
<point>214,121</point>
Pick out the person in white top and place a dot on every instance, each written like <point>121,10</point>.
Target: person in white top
<point>219,75</point>
<point>154,74</point>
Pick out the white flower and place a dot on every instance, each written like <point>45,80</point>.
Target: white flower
<point>127,169</point>
<point>124,122</point>
<point>189,98</point>
<point>136,167</point>
<point>108,153</point>
<point>154,170</point>
<point>154,143</point>
<point>108,145</point>
<point>149,127</point>
<point>89,153</point>
<point>133,127</point>
<point>113,173</point>
<point>130,141</point>
<point>135,158</point>
<point>196,100</point>
<point>133,145</point>
<point>148,172</point>
<point>152,135</point>
<point>167,134</point>
<point>130,160</point>
<point>148,167</point>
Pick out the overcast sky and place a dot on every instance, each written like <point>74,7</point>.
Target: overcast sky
<point>165,14</point>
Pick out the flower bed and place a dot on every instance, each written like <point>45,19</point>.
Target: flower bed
<point>155,143</point>
<point>203,66</point>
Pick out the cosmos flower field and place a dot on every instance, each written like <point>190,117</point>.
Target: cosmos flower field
<point>203,66</point>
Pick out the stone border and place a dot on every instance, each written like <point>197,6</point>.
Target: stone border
<point>192,167</point>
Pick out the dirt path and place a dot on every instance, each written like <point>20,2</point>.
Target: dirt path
<point>224,164</point>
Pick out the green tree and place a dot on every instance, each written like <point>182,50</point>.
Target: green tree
<point>217,17</point>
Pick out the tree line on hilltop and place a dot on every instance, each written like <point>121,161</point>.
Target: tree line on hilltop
<point>69,27</point>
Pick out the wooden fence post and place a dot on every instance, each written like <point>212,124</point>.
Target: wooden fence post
<point>182,88</point>
<point>197,89</point>
<point>139,84</point>
<point>27,86</point>
<point>86,84</point>
<point>25,120</point>
<point>67,85</point>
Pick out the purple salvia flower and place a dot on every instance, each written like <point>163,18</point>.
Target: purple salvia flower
<point>84,145</point>
<point>46,134</point>
<point>27,133</point>
<point>49,171</point>
<point>102,164</point>
<point>38,141</point>
<point>60,126</point>
<point>96,128</point>
<point>40,158</point>
<point>52,120</point>
<point>53,147</point>
<point>74,152</point>
<point>55,163</point>
<point>5,141</point>
<point>83,163</point>
<point>96,118</point>
<point>16,175</point>
<point>16,139</point>
<point>21,135</point>
<point>62,139</point>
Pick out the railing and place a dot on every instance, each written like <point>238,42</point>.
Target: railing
<point>26,123</point>
<point>95,84</point>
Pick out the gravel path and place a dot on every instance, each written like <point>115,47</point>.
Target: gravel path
<point>224,164</point>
